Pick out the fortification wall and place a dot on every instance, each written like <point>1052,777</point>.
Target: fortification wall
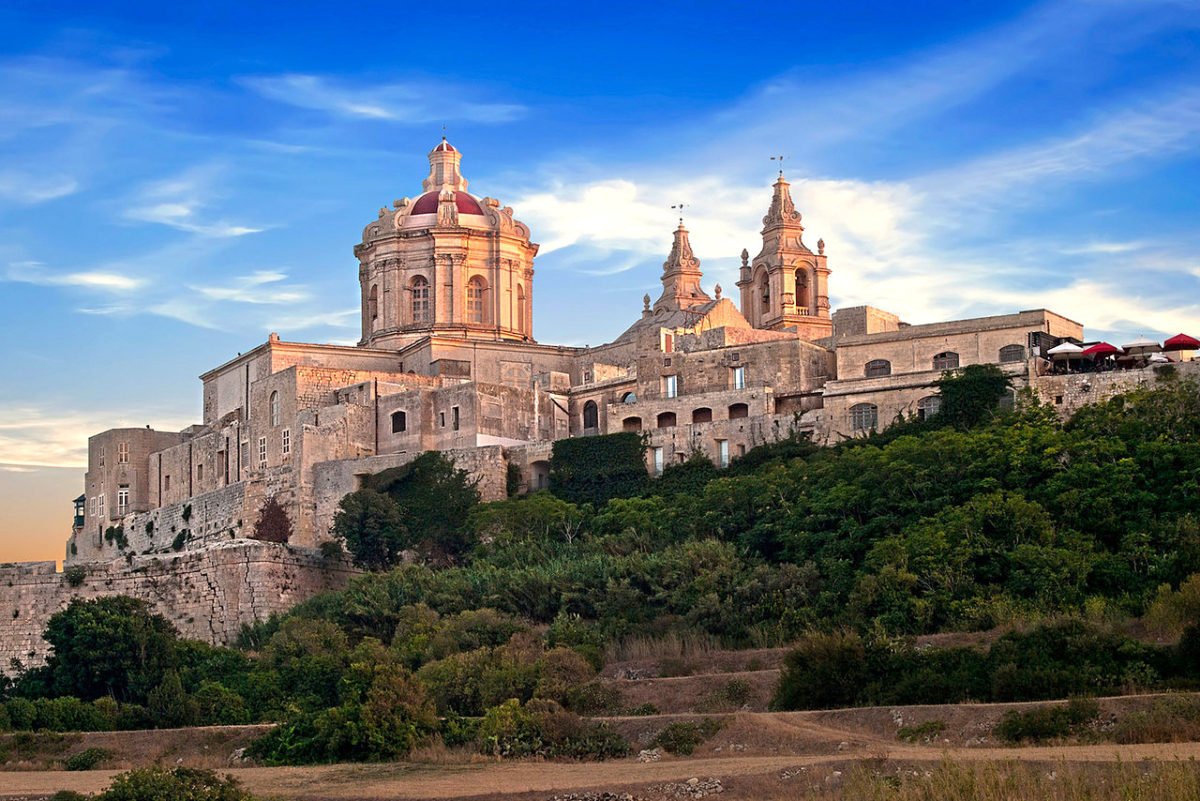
<point>1067,393</point>
<point>208,594</point>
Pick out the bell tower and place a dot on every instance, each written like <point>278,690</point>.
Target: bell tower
<point>681,276</point>
<point>785,287</point>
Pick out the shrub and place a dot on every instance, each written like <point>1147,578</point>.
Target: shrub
<point>369,523</point>
<point>332,549</point>
<point>187,513</point>
<point>68,795</point>
<point>543,728</point>
<point>595,469</point>
<point>921,733</point>
<point>1047,722</point>
<point>180,538</point>
<point>273,524</point>
<point>824,670</point>
<point>88,758</point>
<point>733,695</point>
<point>683,736</point>
<point>75,576</point>
<point>593,698</point>
<point>434,498</point>
<point>180,784</point>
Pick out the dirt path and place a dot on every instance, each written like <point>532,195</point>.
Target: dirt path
<point>407,781</point>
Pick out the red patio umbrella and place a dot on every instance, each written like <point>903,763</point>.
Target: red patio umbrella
<point>1102,349</point>
<point>1182,342</point>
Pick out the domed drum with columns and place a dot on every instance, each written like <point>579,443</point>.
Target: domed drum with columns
<point>447,264</point>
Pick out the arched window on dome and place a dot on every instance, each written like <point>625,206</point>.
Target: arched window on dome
<point>801,289</point>
<point>373,303</point>
<point>418,288</point>
<point>475,292</point>
<point>521,308</point>
<point>275,416</point>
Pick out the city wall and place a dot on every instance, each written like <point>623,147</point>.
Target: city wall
<point>207,594</point>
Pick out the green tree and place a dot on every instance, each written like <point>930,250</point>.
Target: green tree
<point>435,499</point>
<point>112,646</point>
<point>370,525</point>
<point>180,784</point>
<point>970,395</point>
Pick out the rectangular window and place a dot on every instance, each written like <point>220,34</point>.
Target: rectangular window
<point>200,472</point>
<point>739,378</point>
<point>286,441</point>
<point>262,450</point>
<point>442,419</point>
<point>122,453</point>
<point>100,457</point>
<point>658,460</point>
<point>670,386</point>
<point>122,500</point>
<point>100,505</point>
<point>92,506</point>
<point>167,483</point>
<point>245,455</point>
<point>454,413</point>
<point>723,453</point>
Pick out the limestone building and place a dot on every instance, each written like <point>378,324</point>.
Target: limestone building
<point>447,361</point>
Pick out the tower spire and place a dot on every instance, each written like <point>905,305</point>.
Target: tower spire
<point>681,276</point>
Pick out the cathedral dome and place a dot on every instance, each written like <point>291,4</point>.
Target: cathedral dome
<point>428,203</point>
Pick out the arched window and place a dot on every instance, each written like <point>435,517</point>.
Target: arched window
<point>877,367</point>
<point>373,303</point>
<point>928,406</point>
<point>631,424</point>
<point>591,415</point>
<point>666,420</point>
<point>1012,353</point>
<point>520,308</point>
<point>802,288</point>
<point>738,411</point>
<point>864,417</point>
<point>399,422</point>
<point>702,415</point>
<point>947,360</point>
<point>764,290</point>
<point>475,288</point>
<point>419,295</point>
<point>275,408</point>
<point>629,397</point>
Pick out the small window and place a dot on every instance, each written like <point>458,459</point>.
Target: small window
<point>285,442</point>
<point>244,455</point>
<point>877,368</point>
<point>702,415</point>
<point>591,415</point>
<point>946,361</point>
<point>100,504</point>
<point>167,483</point>
<point>629,397</point>
<point>1012,353</point>
<point>441,419</point>
<point>631,424</point>
<point>373,303</point>
<point>122,500</point>
<point>738,411</point>
<point>670,386</point>
<point>723,453</point>
<point>200,472</point>
<point>657,457</point>
<point>454,414</point>
<point>399,422</point>
<point>475,289</point>
<point>274,409</point>
<point>666,420</point>
<point>1008,400</point>
<point>122,453</point>
<point>929,406</point>
<point>419,289</point>
<point>100,456</point>
<point>262,450</point>
<point>739,378</point>
<point>864,417</point>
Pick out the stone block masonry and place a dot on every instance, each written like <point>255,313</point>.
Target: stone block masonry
<point>207,594</point>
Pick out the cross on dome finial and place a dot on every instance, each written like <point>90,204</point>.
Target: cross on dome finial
<point>780,160</point>
<point>679,207</point>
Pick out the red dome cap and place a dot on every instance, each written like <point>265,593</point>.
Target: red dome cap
<point>444,145</point>
<point>428,204</point>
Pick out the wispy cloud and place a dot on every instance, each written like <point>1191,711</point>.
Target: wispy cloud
<point>56,436</point>
<point>29,189</point>
<point>256,288</point>
<point>32,272</point>
<point>178,201</point>
<point>404,102</point>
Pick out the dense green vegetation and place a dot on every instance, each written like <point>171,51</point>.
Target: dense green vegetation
<point>974,518</point>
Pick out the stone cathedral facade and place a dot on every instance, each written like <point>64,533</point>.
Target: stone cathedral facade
<point>448,361</point>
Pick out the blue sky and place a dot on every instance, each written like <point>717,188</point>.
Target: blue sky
<point>176,181</point>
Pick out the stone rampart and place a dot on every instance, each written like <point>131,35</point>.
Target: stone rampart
<point>207,594</point>
<point>1069,392</point>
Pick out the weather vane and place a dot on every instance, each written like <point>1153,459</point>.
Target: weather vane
<point>443,132</point>
<point>679,207</point>
<point>780,160</point>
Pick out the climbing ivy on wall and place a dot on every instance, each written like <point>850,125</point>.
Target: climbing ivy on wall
<point>594,469</point>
